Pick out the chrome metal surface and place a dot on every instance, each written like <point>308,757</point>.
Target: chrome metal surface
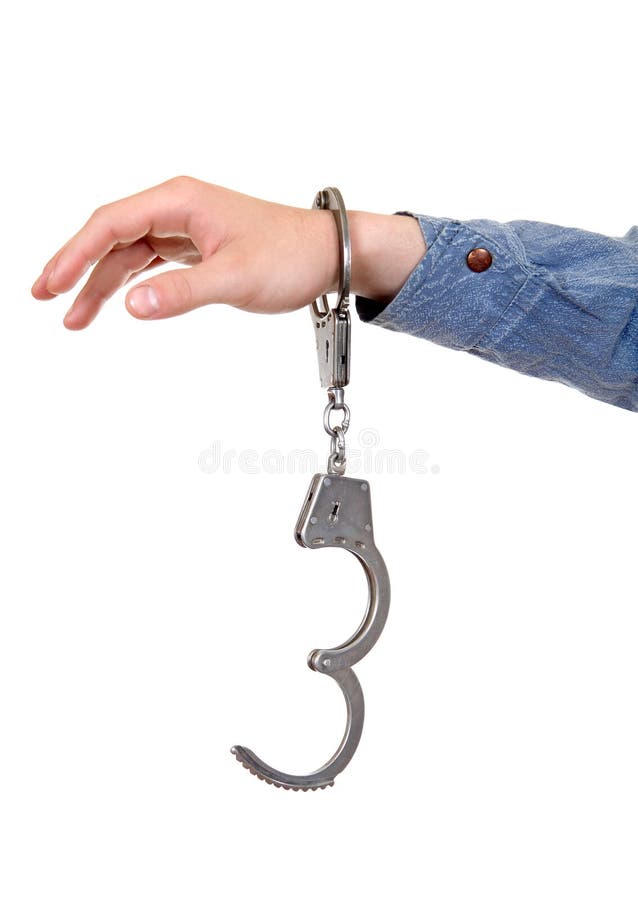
<point>332,325</point>
<point>345,419</point>
<point>330,198</point>
<point>337,513</point>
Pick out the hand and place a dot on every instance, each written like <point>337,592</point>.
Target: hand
<point>249,253</point>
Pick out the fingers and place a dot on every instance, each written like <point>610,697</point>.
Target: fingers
<point>39,289</point>
<point>164,209</point>
<point>108,276</point>
<point>218,280</point>
<point>158,261</point>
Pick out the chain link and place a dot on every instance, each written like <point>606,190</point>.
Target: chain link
<point>345,421</point>
<point>337,457</point>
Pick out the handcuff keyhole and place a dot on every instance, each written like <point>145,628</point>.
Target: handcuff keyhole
<point>334,515</point>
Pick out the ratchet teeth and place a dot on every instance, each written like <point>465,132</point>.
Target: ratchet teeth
<point>239,756</point>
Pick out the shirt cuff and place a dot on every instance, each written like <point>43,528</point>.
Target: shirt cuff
<point>443,300</point>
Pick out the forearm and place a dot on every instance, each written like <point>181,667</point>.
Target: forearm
<point>385,249</point>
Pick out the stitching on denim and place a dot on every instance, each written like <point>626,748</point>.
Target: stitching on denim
<point>437,232</point>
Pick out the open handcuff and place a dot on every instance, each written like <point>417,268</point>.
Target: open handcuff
<point>336,513</point>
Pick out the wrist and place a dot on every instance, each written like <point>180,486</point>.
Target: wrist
<point>385,250</point>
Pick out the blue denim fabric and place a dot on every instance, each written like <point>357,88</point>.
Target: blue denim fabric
<point>556,303</point>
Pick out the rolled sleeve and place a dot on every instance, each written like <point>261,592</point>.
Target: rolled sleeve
<point>443,300</point>
<point>555,303</point>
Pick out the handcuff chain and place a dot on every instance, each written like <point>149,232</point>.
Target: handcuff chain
<point>337,457</point>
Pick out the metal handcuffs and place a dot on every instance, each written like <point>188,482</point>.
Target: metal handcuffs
<point>336,513</point>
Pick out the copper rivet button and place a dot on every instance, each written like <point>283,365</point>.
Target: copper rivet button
<point>479,259</point>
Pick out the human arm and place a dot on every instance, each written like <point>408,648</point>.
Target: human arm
<point>557,303</point>
<point>250,253</point>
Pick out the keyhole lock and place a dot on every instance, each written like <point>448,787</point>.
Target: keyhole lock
<point>333,518</point>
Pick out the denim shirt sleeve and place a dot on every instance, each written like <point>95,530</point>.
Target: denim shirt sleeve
<point>556,303</point>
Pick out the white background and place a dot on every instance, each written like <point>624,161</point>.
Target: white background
<point>151,614</point>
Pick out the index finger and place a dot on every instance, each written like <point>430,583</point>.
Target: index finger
<point>163,209</point>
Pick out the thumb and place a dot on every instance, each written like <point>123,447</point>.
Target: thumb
<point>181,290</point>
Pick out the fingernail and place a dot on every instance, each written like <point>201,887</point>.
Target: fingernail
<point>143,301</point>
<point>50,278</point>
